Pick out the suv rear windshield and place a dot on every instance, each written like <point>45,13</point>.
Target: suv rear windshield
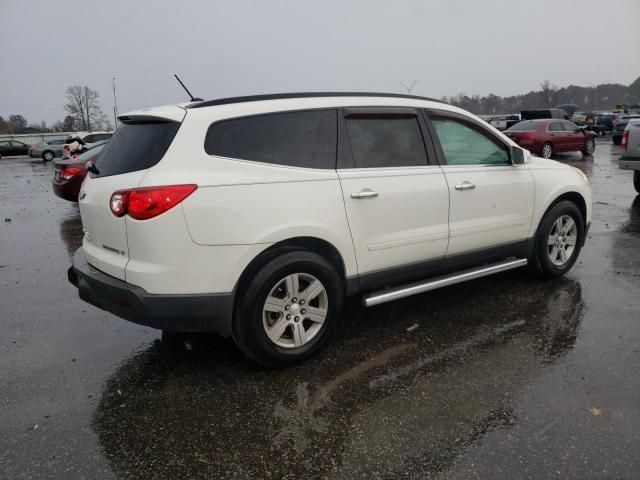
<point>526,126</point>
<point>136,146</point>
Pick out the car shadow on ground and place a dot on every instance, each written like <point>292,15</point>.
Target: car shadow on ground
<point>403,389</point>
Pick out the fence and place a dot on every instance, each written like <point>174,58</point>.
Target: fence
<point>31,138</point>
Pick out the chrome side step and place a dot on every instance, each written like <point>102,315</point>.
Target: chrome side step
<point>390,295</point>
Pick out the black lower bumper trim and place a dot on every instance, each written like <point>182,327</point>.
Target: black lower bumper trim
<point>179,313</point>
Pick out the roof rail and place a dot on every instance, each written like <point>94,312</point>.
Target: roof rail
<point>281,96</point>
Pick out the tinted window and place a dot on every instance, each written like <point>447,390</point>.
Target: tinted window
<point>526,126</point>
<point>464,145</point>
<point>301,139</point>
<point>570,127</point>
<point>386,142</point>
<point>136,146</point>
<point>555,127</point>
<point>55,142</point>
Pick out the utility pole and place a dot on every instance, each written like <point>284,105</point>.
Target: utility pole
<point>115,104</point>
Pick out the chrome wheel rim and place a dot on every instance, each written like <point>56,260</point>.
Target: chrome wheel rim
<point>546,151</point>
<point>48,156</point>
<point>562,240</point>
<point>591,146</point>
<point>295,310</point>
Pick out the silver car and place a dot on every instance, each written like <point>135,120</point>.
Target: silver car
<point>630,159</point>
<point>47,150</point>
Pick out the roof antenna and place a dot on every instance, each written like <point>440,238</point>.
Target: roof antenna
<point>193,99</point>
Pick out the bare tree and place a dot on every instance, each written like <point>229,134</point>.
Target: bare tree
<point>84,107</point>
<point>548,92</point>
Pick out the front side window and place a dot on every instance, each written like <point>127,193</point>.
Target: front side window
<point>570,127</point>
<point>464,145</point>
<point>386,142</point>
<point>300,139</point>
<point>555,127</point>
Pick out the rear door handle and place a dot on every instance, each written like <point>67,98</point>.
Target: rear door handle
<point>465,186</point>
<point>366,193</point>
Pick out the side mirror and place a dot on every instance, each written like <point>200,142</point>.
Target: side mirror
<point>517,156</point>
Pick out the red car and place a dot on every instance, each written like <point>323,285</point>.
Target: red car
<point>69,174</point>
<point>549,136</point>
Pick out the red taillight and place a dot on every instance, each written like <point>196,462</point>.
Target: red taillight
<point>528,136</point>
<point>148,202</point>
<point>625,139</point>
<point>68,172</point>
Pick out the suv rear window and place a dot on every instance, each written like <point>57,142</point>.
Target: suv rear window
<point>136,146</point>
<point>301,139</point>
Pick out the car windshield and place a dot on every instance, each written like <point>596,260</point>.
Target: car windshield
<point>526,126</point>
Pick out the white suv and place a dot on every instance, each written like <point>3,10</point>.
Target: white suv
<point>254,217</point>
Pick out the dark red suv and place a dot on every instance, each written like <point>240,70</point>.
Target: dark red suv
<point>549,136</point>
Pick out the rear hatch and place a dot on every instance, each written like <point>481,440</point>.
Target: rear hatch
<point>138,144</point>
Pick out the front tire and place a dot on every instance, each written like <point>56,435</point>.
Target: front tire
<point>636,180</point>
<point>547,150</point>
<point>589,147</point>
<point>48,156</point>
<point>558,240</point>
<point>289,309</point>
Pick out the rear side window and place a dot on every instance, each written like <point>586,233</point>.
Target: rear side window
<point>136,146</point>
<point>525,126</point>
<point>300,139</point>
<point>386,142</point>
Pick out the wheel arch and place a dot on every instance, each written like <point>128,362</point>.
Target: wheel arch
<point>572,196</point>
<point>312,244</point>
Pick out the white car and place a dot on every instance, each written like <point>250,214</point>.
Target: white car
<point>254,217</point>
<point>89,138</point>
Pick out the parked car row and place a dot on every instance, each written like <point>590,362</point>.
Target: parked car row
<point>56,147</point>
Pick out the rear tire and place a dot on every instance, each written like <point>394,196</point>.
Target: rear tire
<point>48,156</point>
<point>589,147</point>
<point>617,140</point>
<point>289,309</point>
<point>558,240</point>
<point>547,150</point>
<point>636,180</point>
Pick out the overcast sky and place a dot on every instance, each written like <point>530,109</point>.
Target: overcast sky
<point>228,48</point>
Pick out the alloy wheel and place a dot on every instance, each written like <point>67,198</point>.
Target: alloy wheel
<point>562,240</point>
<point>295,310</point>
<point>546,150</point>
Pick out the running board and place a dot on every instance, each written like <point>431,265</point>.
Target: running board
<point>397,293</point>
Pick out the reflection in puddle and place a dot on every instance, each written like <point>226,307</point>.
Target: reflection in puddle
<point>380,402</point>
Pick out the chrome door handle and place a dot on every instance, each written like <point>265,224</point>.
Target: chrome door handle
<point>465,186</point>
<point>366,193</point>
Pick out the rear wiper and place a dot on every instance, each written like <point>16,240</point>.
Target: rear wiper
<point>93,169</point>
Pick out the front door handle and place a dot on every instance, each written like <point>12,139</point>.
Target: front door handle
<point>366,193</point>
<point>465,186</point>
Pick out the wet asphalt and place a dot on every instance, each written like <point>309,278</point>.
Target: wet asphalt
<point>504,377</point>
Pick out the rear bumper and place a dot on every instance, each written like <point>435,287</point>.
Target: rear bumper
<point>179,313</point>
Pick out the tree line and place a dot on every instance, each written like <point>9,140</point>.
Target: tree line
<point>83,114</point>
<point>602,97</point>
